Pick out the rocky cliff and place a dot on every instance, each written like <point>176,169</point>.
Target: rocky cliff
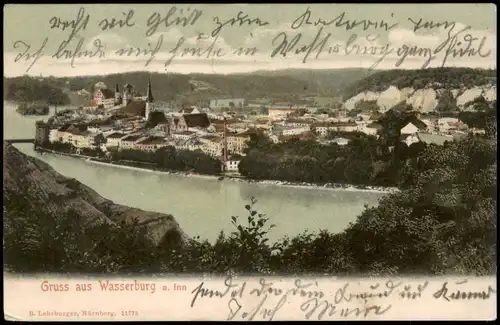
<point>427,90</point>
<point>424,99</point>
<point>45,189</point>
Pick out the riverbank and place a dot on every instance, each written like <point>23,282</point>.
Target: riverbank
<point>148,167</point>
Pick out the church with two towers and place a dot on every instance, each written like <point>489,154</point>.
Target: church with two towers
<point>139,106</point>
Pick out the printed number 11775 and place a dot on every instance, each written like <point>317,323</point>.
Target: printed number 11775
<point>128,313</point>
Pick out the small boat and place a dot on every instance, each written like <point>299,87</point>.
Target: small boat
<point>220,178</point>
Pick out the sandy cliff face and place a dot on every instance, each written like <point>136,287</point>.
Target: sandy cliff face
<point>46,189</point>
<point>424,99</point>
<point>489,92</point>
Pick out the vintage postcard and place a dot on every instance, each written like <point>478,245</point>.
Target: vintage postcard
<point>250,162</point>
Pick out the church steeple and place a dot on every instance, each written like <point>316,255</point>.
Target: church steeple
<point>150,93</point>
<point>149,101</point>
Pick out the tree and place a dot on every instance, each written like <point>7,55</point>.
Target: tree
<point>367,105</point>
<point>446,102</point>
<point>154,118</point>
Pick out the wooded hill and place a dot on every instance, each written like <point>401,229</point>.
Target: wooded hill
<point>283,85</point>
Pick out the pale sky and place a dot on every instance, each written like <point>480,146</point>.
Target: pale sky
<point>30,25</point>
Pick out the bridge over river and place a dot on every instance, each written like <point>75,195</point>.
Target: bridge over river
<point>11,141</point>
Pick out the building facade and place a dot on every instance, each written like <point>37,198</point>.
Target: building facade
<point>227,103</point>
<point>186,121</point>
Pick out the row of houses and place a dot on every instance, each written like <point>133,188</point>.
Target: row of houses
<point>200,134</point>
<point>211,144</point>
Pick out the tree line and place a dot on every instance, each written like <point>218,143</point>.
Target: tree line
<point>170,158</point>
<point>31,90</point>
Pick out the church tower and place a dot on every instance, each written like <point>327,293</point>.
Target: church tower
<point>118,96</point>
<point>149,101</point>
<point>127,94</point>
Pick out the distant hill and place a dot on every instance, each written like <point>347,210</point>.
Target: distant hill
<point>288,85</point>
<point>283,85</point>
<point>326,82</point>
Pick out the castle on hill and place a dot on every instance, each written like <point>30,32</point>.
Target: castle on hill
<point>124,100</point>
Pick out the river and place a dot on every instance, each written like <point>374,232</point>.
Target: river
<point>203,206</point>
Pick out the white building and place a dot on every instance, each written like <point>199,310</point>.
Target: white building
<point>104,97</point>
<point>114,139</point>
<point>341,141</point>
<point>410,139</point>
<point>323,129</point>
<point>409,128</point>
<point>276,113</point>
<point>53,135</point>
<point>232,165</point>
<point>129,141</point>
<point>431,124</point>
<point>296,130</point>
<point>227,103</point>
<point>213,146</point>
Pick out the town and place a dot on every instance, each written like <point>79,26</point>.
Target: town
<point>120,120</point>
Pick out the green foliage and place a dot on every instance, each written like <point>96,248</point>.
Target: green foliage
<point>393,120</point>
<point>363,161</point>
<point>64,244</point>
<point>171,159</point>
<point>483,116</point>
<point>446,102</point>
<point>59,146</point>
<point>27,89</point>
<point>478,104</point>
<point>364,106</point>
<point>443,220</point>
<point>367,106</point>
<point>33,109</point>
<point>436,78</point>
<point>154,118</point>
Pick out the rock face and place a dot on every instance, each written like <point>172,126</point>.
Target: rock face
<point>387,98</point>
<point>489,92</point>
<point>46,189</point>
<point>424,99</point>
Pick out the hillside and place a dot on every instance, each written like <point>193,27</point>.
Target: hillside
<point>327,82</point>
<point>47,192</point>
<point>428,90</point>
<point>424,89</point>
<point>195,88</point>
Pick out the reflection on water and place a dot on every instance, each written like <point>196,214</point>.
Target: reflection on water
<point>204,206</point>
